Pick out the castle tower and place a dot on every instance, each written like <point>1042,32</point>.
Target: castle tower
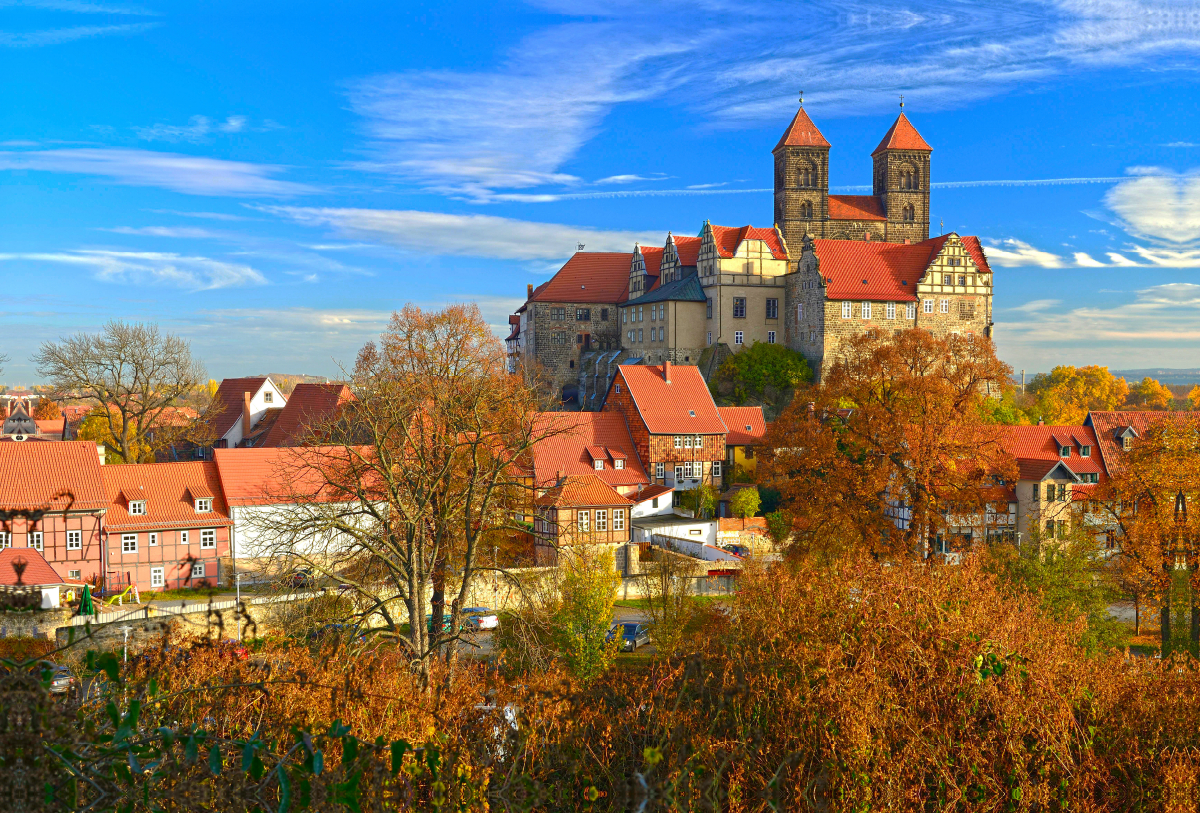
<point>801,180</point>
<point>901,181</point>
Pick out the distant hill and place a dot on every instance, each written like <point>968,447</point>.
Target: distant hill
<point>1170,376</point>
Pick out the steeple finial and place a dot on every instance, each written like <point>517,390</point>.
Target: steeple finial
<point>802,98</point>
<point>901,101</point>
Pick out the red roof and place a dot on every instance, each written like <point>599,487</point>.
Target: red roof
<point>566,438</point>
<point>50,427</point>
<point>688,249</point>
<point>902,136</point>
<point>1107,425</point>
<point>1037,450</point>
<point>728,238</point>
<point>308,404</point>
<point>257,476</point>
<point>170,491</point>
<point>229,399</point>
<point>31,474</point>
<point>37,570</point>
<point>856,207</point>
<point>860,269</point>
<point>75,412</point>
<point>652,491</point>
<point>801,133</point>
<point>594,276</point>
<point>582,492</point>
<point>746,425</point>
<point>682,405</point>
<point>653,258</point>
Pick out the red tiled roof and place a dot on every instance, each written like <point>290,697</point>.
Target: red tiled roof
<point>229,398</point>
<point>308,404</point>
<point>52,427</point>
<point>32,473</point>
<point>688,249</point>
<point>747,426</point>
<point>582,492</point>
<point>76,412</point>
<point>1107,424</point>
<point>666,407</point>
<point>37,571</point>
<point>728,238</point>
<point>652,491</point>
<point>563,447</point>
<point>653,258</point>
<point>257,476</point>
<point>801,133</point>
<point>856,207</point>
<point>170,491</point>
<point>1036,450</point>
<point>902,136</point>
<point>593,276</point>
<point>858,269</point>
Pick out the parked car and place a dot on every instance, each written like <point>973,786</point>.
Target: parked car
<point>301,579</point>
<point>480,618</point>
<point>631,634</point>
<point>61,679</point>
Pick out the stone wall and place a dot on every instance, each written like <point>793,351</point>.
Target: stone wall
<point>557,342</point>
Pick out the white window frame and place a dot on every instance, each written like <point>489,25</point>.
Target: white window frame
<point>198,570</point>
<point>618,519</point>
<point>866,310</point>
<point>678,472</point>
<point>944,306</point>
<point>910,310</point>
<point>678,441</point>
<point>208,538</point>
<point>268,397</point>
<point>847,310</point>
<point>687,441</point>
<point>129,543</point>
<point>74,540</point>
<point>137,508</point>
<point>710,338</point>
<point>618,463</point>
<point>601,519</point>
<point>687,469</point>
<point>583,521</point>
<point>737,337</point>
<point>183,538</point>
<point>891,310</point>
<point>73,574</point>
<point>5,539</point>
<point>716,468</point>
<point>660,471</point>
<point>699,441</point>
<point>158,577</point>
<point>799,311</point>
<point>152,539</point>
<point>598,465</point>
<point>36,540</point>
<point>204,505</point>
<point>770,337</point>
<point>927,306</point>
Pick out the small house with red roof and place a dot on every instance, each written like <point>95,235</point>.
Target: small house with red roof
<point>747,428</point>
<point>580,510</point>
<point>27,569</point>
<point>240,406</point>
<point>167,525</point>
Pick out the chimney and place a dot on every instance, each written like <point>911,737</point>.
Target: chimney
<point>1041,421</point>
<point>558,477</point>
<point>245,414</point>
<point>529,290</point>
<point>907,242</point>
<point>667,370</point>
<point>867,236</point>
<point>100,452</point>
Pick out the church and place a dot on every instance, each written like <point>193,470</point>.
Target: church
<point>830,267</point>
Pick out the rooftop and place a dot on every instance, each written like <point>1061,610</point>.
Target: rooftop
<point>593,276</point>
<point>170,491</point>
<point>902,136</point>
<point>801,133</point>
<point>859,269</point>
<point>566,438</point>
<point>856,207</point>
<point>671,399</point>
<point>308,405</point>
<point>746,425</point>
<point>57,475</point>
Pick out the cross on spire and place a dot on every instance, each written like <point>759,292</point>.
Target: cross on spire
<point>802,98</point>
<point>901,101</point>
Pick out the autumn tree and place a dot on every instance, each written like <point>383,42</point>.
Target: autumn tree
<point>890,448</point>
<point>745,503</point>
<point>1150,394</point>
<point>416,479</point>
<point>1193,398</point>
<point>47,410</point>
<point>131,371</point>
<point>1067,394</point>
<point>668,582</point>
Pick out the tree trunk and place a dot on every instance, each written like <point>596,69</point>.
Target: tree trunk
<point>438,603</point>
<point>1137,618</point>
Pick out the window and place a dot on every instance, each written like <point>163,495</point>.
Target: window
<point>1035,491</point>
<point>1126,443</point>
<point>640,334</point>
<point>598,465</point>
<point>619,518</point>
<point>799,311</point>
<point>1085,451</point>
<point>927,306</point>
<point>558,314</point>
<point>204,506</point>
<point>208,539</point>
<point>737,337</point>
<point>699,438</point>
<point>708,308</point>
<point>74,540</point>
<point>624,316</point>
<point>156,577</point>
<point>806,210</point>
<point>739,307</point>
<point>1049,529</point>
<point>604,314</point>
<point>891,310</point>
<point>710,337</point>
<point>558,337</point>
<point>137,507</point>
<point>678,473</point>
<point>772,308</point>
<point>1064,451</point>
<point>866,310</point>
<point>129,543</point>
<point>944,306</point>
<point>73,574</point>
<point>962,280</point>
<point>583,314</point>
<point>908,214</point>
<point>947,279</point>
<point>618,463</point>
<point>687,469</point>
<point>641,317</point>
<point>660,471</point>
<point>584,521</point>
<point>847,310</point>
<point>806,176</point>
<point>183,537</point>
<point>770,337</point>
<point>687,442</point>
<point>910,310</point>
<point>1062,529</point>
<point>268,397</point>
<point>601,520</point>
<point>716,468</point>
<point>678,442</point>
<point>35,540</point>
<point>153,539</point>
<point>197,570</point>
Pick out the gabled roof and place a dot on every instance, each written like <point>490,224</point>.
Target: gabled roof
<point>170,491</point>
<point>1109,426</point>
<point>902,136</point>
<point>679,406</point>
<point>650,492</point>
<point>32,473</point>
<point>229,399</point>
<point>687,289</point>
<point>653,258</point>
<point>307,406</point>
<point>746,425</point>
<point>1037,450</point>
<point>728,238</point>
<point>565,438</point>
<point>856,207</point>
<point>858,269</point>
<point>593,276</point>
<point>272,476</point>
<point>801,133</point>
<point>37,572</point>
<point>582,492</point>
<point>688,249</point>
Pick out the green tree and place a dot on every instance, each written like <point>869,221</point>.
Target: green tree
<point>587,590</point>
<point>745,503</point>
<point>764,374</point>
<point>1067,394</point>
<point>779,527</point>
<point>701,500</point>
<point>667,583</point>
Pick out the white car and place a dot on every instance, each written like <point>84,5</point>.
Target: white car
<point>480,618</point>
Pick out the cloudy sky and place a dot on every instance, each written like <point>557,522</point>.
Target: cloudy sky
<point>272,182</point>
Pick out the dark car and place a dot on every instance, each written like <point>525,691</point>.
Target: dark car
<point>631,635</point>
<point>61,679</point>
<point>301,579</point>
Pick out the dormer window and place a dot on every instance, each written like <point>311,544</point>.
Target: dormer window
<point>137,507</point>
<point>1064,451</point>
<point>1126,443</point>
<point>598,465</point>
<point>268,397</point>
<point>204,506</point>
<point>618,463</point>
<point>1085,451</point>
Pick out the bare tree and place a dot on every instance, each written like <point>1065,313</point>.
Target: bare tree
<point>131,370</point>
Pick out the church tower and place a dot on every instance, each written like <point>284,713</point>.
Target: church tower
<point>801,180</point>
<point>901,181</point>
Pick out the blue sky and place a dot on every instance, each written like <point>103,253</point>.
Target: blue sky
<point>271,180</point>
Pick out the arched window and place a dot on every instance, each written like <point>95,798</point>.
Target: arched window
<point>806,175</point>
<point>806,210</point>
<point>909,214</point>
<point>909,178</point>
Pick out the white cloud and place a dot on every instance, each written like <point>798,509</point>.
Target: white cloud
<point>465,235</point>
<point>1011,252</point>
<point>1085,260</point>
<point>182,232</point>
<point>1159,206</point>
<point>76,6</point>
<point>179,173</point>
<point>1036,305</point>
<point>197,129</point>
<point>200,215</point>
<point>619,179</point>
<point>148,267</point>
<point>58,36</point>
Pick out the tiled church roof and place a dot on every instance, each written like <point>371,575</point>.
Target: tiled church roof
<point>902,136</point>
<point>856,207</point>
<point>802,133</point>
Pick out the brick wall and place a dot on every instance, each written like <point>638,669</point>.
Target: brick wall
<point>619,400</point>
<point>555,342</point>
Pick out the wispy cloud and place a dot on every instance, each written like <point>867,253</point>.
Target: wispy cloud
<point>619,179</point>
<point>180,173</point>
<point>150,267</point>
<point>197,129</point>
<point>78,7</point>
<point>181,232</point>
<point>465,235</point>
<point>1036,305</point>
<point>200,215</point>
<point>59,36</point>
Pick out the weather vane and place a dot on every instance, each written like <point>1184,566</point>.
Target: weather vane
<point>901,101</point>
<point>802,98</point>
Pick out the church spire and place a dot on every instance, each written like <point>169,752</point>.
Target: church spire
<point>801,132</point>
<point>902,136</point>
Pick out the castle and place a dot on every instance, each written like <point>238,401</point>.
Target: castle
<point>831,267</point>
